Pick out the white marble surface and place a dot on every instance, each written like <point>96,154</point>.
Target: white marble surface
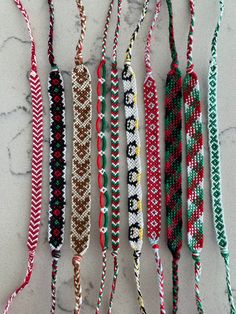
<point>15,155</point>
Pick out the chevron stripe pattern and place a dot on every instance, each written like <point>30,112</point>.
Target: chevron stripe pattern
<point>37,162</point>
<point>215,167</point>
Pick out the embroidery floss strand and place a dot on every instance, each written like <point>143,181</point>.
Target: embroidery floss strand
<point>153,159</point>
<point>215,167</point>
<point>81,162</point>
<point>57,186</point>
<point>37,161</point>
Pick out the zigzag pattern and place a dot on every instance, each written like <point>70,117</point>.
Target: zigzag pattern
<point>37,160</point>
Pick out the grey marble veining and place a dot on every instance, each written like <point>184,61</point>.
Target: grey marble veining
<point>16,147</point>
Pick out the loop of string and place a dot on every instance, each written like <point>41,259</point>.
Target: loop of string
<point>215,166</point>
<point>37,160</point>
<point>153,158</point>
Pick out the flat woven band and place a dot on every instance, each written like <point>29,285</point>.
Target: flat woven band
<point>153,159</point>
<point>37,161</point>
<point>57,184</point>
<point>215,167</point>
<point>81,161</point>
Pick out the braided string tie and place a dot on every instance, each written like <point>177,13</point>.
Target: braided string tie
<point>31,255</point>
<point>103,280</point>
<point>160,274</point>
<point>215,166</point>
<point>137,258</point>
<point>197,272</point>
<point>114,281</point>
<point>175,280</point>
<point>77,283</point>
<point>55,257</point>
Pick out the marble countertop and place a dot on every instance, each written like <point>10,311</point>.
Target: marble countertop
<point>15,155</point>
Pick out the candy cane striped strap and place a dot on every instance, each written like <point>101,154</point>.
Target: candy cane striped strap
<point>101,124</point>
<point>37,159</point>
<point>115,180</point>
<point>133,159</point>
<point>215,167</point>
<point>57,186</point>
<point>173,158</point>
<point>194,160</point>
<point>81,161</point>
<point>153,159</point>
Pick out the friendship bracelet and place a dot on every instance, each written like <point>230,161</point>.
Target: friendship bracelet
<point>81,162</point>
<point>173,158</point>
<point>133,159</point>
<point>215,166</point>
<point>115,171</point>
<point>57,185</point>
<point>153,159</point>
<point>194,160</point>
<point>37,161</point>
<point>101,156</point>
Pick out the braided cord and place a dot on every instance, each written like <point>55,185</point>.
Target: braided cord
<point>101,125</point>
<point>128,55</point>
<point>81,162</point>
<point>194,160</point>
<point>135,209</point>
<point>57,185</point>
<point>173,158</point>
<point>37,161</point>
<point>215,167</point>
<point>153,158</point>
<point>115,180</point>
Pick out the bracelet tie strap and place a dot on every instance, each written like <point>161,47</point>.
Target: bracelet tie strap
<point>215,166</point>
<point>37,161</point>
<point>153,159</point>
<point>57,185</point>
<point>101,125</point>
<point>194,160</point>
<point>133,159</point>
<point>173,159</point>
<point>81,162</point>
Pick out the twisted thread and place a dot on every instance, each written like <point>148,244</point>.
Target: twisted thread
<point>55,258</point>
<point>114,281</point>
<point>128,55</point>
<point>215,166</point>
<point>105,32</point>
<point>51,57</point>
<point>83,19</point>
<point>137,257</point>
<point>77,284</point>
<point>103,279</point>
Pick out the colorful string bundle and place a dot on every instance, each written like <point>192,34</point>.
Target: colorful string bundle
<point>56,219</point>
<point>133,159</point>
<point>37,161</point>
<point>194,160</point>
<point>173,158</point>
<point>215,167</point>
<point>81,163</point>
<point>153,159</point>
